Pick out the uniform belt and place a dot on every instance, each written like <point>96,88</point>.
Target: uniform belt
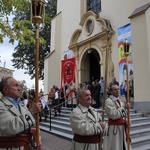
<point>86,139</point>
<point>17,141</point>
<point>118,122</point>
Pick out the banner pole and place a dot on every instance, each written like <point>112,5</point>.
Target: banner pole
<point>106,80</point>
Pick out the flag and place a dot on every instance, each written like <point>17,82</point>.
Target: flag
<point>68,67</point>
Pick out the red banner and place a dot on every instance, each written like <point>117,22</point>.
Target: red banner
<point>68,67</point>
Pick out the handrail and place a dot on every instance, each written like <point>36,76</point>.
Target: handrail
<point>50,110</point>
<point>63,102</point>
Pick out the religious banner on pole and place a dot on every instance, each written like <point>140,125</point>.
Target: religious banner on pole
<point>68,67</point>
<point>123,34</point>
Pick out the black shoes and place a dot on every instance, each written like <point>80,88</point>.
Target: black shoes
<point>59,111</point>
<point>46,118</point>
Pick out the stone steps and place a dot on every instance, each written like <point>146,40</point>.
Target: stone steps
<point>139,131</point>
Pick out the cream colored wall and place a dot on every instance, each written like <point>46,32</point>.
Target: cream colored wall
<point>63,26</point>
<point>141,57</point>
<point>70,21</point>
<point>52,63</point>
<point>46,77</point>
<point>118,12</point>
<point>148,31</point>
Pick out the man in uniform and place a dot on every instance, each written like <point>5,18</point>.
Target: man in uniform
<point>116,110</point>
<point>86,124</point>
<point>15,118</point>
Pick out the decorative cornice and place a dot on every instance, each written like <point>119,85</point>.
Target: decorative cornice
<point>6,70</point>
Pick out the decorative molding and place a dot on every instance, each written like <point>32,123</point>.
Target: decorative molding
<point>102,30</point>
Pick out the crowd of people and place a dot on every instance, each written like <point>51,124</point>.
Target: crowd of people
<point>68,93</point>
<point>19,113</point>
<point>63,97</point>
<point>28,99</point>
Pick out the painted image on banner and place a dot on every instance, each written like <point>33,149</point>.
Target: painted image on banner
<point>68,71</point>
<point>125,33</point>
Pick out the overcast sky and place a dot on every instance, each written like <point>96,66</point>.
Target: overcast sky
<point>6,50</point>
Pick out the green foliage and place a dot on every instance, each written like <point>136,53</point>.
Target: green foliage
<point>7,28</point>
<point>23,86</point>
<point>15,24</point>
<point>24,52</point>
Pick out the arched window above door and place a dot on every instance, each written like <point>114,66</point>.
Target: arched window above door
<point>89,26</point>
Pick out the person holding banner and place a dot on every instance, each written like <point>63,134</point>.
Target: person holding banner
<point>86,123</point>
<point>16,119</point>
<point>71,94</point>
<point>116,110</point>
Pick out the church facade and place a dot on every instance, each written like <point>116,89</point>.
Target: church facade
<point>93,33</point>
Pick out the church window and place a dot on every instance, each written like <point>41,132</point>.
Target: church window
<point>94,5</point>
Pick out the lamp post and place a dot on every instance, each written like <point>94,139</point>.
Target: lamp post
<point>126,45</point>
<point>37,19</point>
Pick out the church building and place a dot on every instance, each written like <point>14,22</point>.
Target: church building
<point>90,35</point>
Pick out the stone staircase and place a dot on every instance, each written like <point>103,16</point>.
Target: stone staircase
<point>140,127</point>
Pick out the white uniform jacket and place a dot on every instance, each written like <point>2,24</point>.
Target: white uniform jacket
<point>115,137</point>
<point>84,123</point>
<point>13,121</point>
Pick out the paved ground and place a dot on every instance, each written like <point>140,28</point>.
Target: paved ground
<point>52,142</point>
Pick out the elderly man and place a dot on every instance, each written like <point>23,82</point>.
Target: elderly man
<point>116,110</point>
<point>16,119</point>
<point>86,123</point>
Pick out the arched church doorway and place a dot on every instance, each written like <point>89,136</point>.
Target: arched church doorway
<point>94,60</point>
<point>91,67</point>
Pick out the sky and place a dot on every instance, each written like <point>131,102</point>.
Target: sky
<point>6,50</point>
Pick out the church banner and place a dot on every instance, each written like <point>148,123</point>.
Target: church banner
<point>123,34</point>
<point>68,67</point>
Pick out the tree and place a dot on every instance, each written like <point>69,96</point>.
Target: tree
<point>7,26</point>
<point>24,55</point>
<point>23,86</point>
<point>19,28</point>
